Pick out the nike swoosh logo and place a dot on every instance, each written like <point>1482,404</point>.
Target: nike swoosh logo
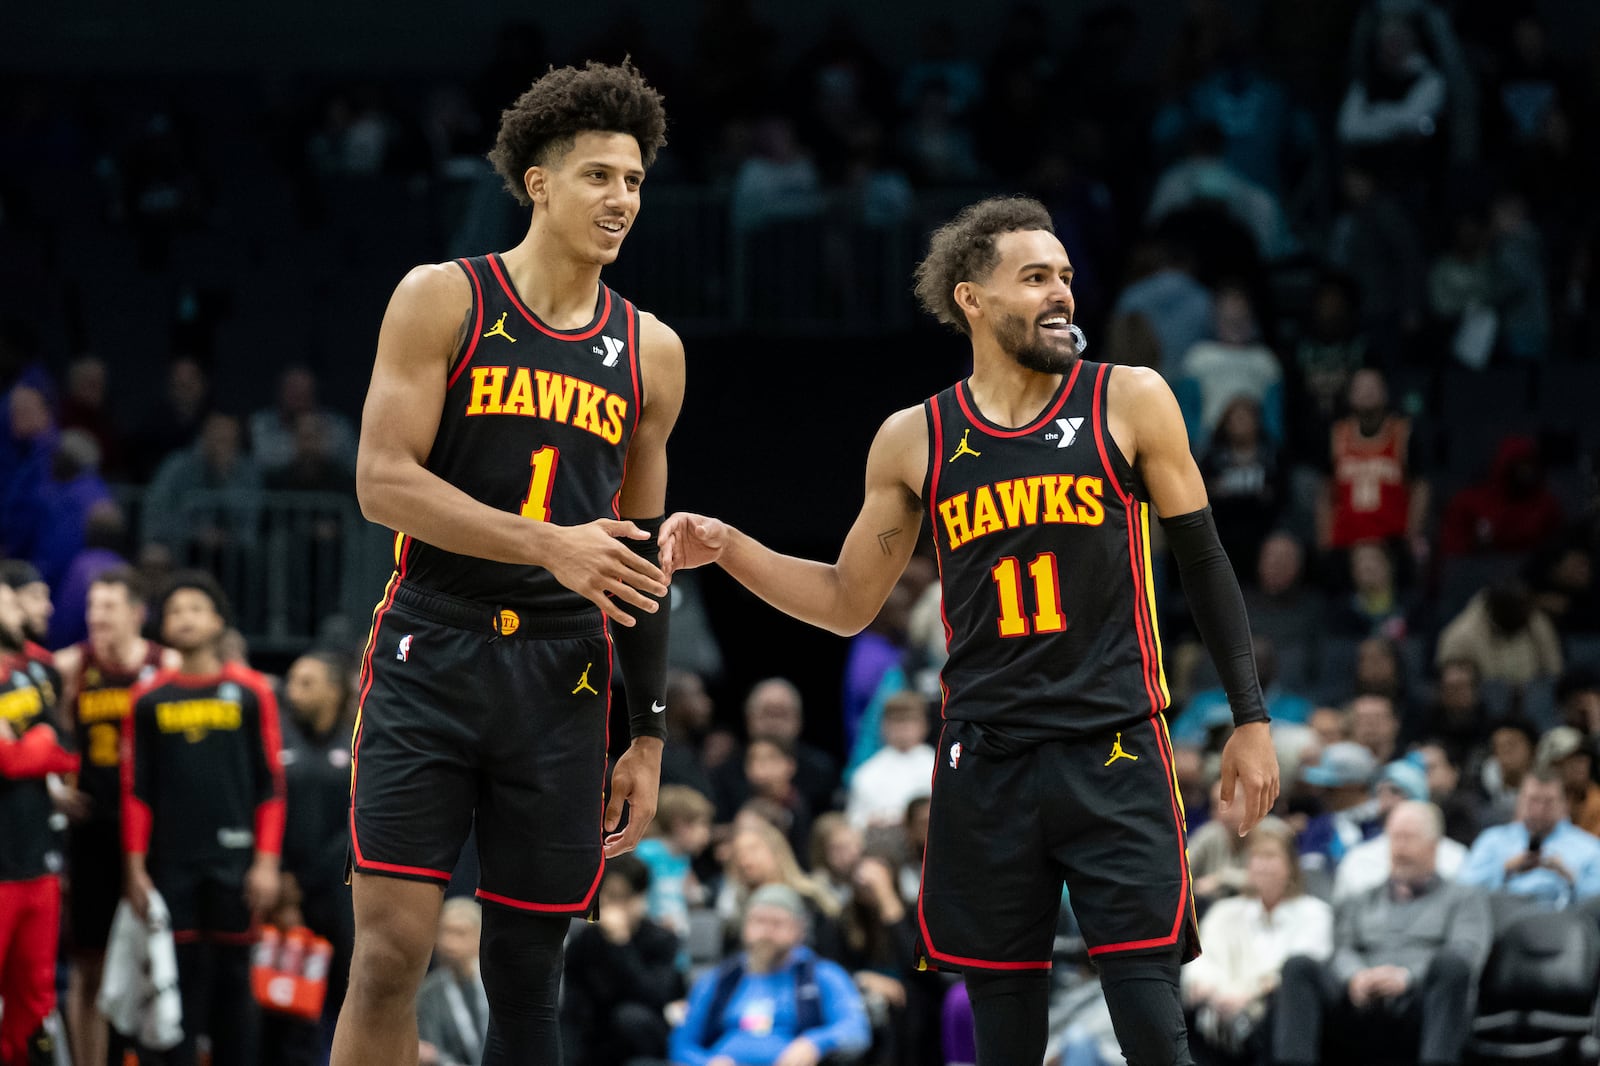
<point>658,707</point>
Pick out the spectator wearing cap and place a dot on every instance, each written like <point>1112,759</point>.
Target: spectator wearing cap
<point>1541,855</point>
<point>1343,779</point>
<point>1405,953</point>
<point>1566,752</point>
<point>1511,748</point>
<point>774,1002</point>
<point>1366,866</point>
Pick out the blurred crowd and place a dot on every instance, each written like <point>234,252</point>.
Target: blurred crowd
<point>1355,238</point>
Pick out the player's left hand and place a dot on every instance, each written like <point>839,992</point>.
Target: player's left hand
<point>800,1052</point>
<point>1250,765</point>
<point>635,781</point>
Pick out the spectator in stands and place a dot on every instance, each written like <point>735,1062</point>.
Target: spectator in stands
<point>777,181</point>
<point>1366,865</point>
<point>216,466</point>
<point>769,767</point>
<point>105,536</point>
<point>1164,292</point>
<point>680,833</point>
<point>84,406</point>
<point>1373,490</point>
<point>1218,855</point>
<point>1505,635</point>
<point>1462,806</point>
<point>900,771</point>
<point>1380,671</point>
<point>1578,698</point>
<point>878,944</point>
<point>1462,288</point>
<point>684,757</point>
<point>1376,607</point>
<point>1456,717</point>
<point>773,709</point>
<point>1375,726</point>
<point>1405,956</point>
<point>1207,710</point>
<point>1329,352</point>
<point>936,139</point>
<point>1375,241</point>
<point>1248,938</point>
<point>1396,101</point>
<point>1246,479</point>
<point>452,1009</point>
<point>1330,724</point>
<point>1206,175</point>
<point>873,653</point>
<point>1563,578</point>
<point>836,849</point>
<point>776,1002</point>
<point>760,855</point>
<point>1519,264</point>
<point>1541,855</point>
<point>1567,753</point>
<point>915,840</point>
<point>176,421</point>
<point>621,973</point>
<point>313,464</point>
<point>1234,363</point>
<point>1343,777</point>
<point>1512,510</point>
<point>275,432</point>
<point>1282,606</point>
<point>72,489</point>
<point>1511,747</point>
<point>25,465</point>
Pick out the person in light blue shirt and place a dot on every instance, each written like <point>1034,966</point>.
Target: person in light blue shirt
<point>776,1002</point>
<point>1541,855</point>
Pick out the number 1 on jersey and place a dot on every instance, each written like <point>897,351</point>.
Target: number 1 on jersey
<point>536,505</point>
<point>1047,618</point>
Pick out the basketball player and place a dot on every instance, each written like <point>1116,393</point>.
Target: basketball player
<point>97,676</point>
<point>516,421</point>
<point>1038,473</point>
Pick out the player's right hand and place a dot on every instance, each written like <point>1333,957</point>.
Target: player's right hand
<point>592,561</point>
<point>691,540</point>
<point>139,888</point>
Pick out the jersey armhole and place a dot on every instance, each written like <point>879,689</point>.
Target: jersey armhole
<point>1130,484</point>
<point>930,480</point>
<point>464,356</point>
<point>635,364</point>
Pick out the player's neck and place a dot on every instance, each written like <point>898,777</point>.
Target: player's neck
<point>202,662</point>
<point>122,653</point>
<point>558,289</point>
<point>1007,393</point>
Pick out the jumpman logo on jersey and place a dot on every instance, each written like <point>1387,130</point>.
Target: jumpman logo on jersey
<point>1118,753</point>
<point>963,448</point>
<point>583,682</point>
<point>499,329</point>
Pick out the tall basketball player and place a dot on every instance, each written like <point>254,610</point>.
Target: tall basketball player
<point>515,438</point>
<point>1038,473</point>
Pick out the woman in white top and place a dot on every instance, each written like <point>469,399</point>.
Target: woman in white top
<point>1247,938</point>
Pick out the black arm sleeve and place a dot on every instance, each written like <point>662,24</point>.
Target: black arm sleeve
<point>642,648</point>
<point>1217,606</point>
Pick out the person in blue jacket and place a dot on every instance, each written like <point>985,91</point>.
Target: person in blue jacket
<point>776,1003</point>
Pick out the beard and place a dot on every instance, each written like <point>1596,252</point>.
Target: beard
<point>1034,347</point>
<point>12,640</point>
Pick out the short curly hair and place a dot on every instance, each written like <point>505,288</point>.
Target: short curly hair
<point>542,125</point>
<point>963,249</point>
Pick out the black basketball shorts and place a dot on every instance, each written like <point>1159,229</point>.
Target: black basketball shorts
<point>94,882</point>
<point>1010,821</point>
<point>474,712</point>
<point>206,900</point>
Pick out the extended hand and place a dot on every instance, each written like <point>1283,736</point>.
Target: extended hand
<point>691,540</point>
<point>635,781</point>
<point>1250,764</point>
<point>593,561</point>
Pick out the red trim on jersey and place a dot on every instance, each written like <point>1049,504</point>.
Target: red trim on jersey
<point>1183,862</point>
<point>633,361</point>
<point>935,457</point>
<point>1140,623</point>
<point>270,812</point>
<point>137,818</point>
<point>560,335</point>
<point>1038,424</point>
<point>477,322</point>
<point>922,920</point>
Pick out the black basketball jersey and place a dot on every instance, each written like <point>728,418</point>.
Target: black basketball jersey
<point>102,702</point>
<point>28,846</point>
<point>1042,535</point>
<point>537,421</point>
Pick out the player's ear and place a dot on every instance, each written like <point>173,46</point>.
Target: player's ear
<point>536,181</point>
<point>967,299</point>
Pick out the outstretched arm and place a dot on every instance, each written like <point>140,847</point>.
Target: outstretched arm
<point>843,596</point>
<point>1144,413</point>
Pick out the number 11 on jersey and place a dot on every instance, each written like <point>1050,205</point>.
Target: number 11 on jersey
<point>536,505</point>
<point>1047,617</point>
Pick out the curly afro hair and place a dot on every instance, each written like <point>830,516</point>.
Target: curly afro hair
<point>963,249</point>
<point>542,125</point>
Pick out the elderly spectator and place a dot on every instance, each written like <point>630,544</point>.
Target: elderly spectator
<point>1504,635</point>
<point>1405,955</point>
<point>776,1002</point>
<point>452,1008</point>
<point>1541,855</point>
<point>1248,938</point>
<point>1366,866</point>
<point>1566,751</point>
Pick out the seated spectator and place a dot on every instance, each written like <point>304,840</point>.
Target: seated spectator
<point>1511,747</point>
<point>1374,489</point>
<point>175,420</point>
<point>760,855</point>
<point>915,841</point>
<point>1165,294</point>
<point>1379,670</point>
<point>774,709</point>
<point>1343,779</point>
<point>1396,102</point>
<point>900,771</point>
<point>1405,956</point>
<point>836,848</point>
<point>1457,716</point>
<point>1330,724</point>
<point>1375,726</point>
<point>84,406</point>
<point>1282,606</point>
<point>875,653</point>
<point>621,972</point>
<point>1511,510</point>
<point>1234,364</point>
<point>1246,478</point>
<point>1578,698</point>
<point>1248,938</point>
<point>275,432</point>
<point>1218,855</point>
<point>1204,175</point>
<point>1565,586</point>
<point>1566,752</point>
<point>1366,865</point>
<point>1329,352</point>
<point>680,833</point>
<point>769,767</point>
<point>777,181</point>
<point>1541,855</point>
<point>1505,635</point>
<point>1375,607</point>
<point>775,1002</point>
<point>1462,806</point>
<point>1207,710</point>
<point>452,1008</point>
<point>878,944</point>
<point>686,756</point>
<point>314,465</point>
<point>216,465</point>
